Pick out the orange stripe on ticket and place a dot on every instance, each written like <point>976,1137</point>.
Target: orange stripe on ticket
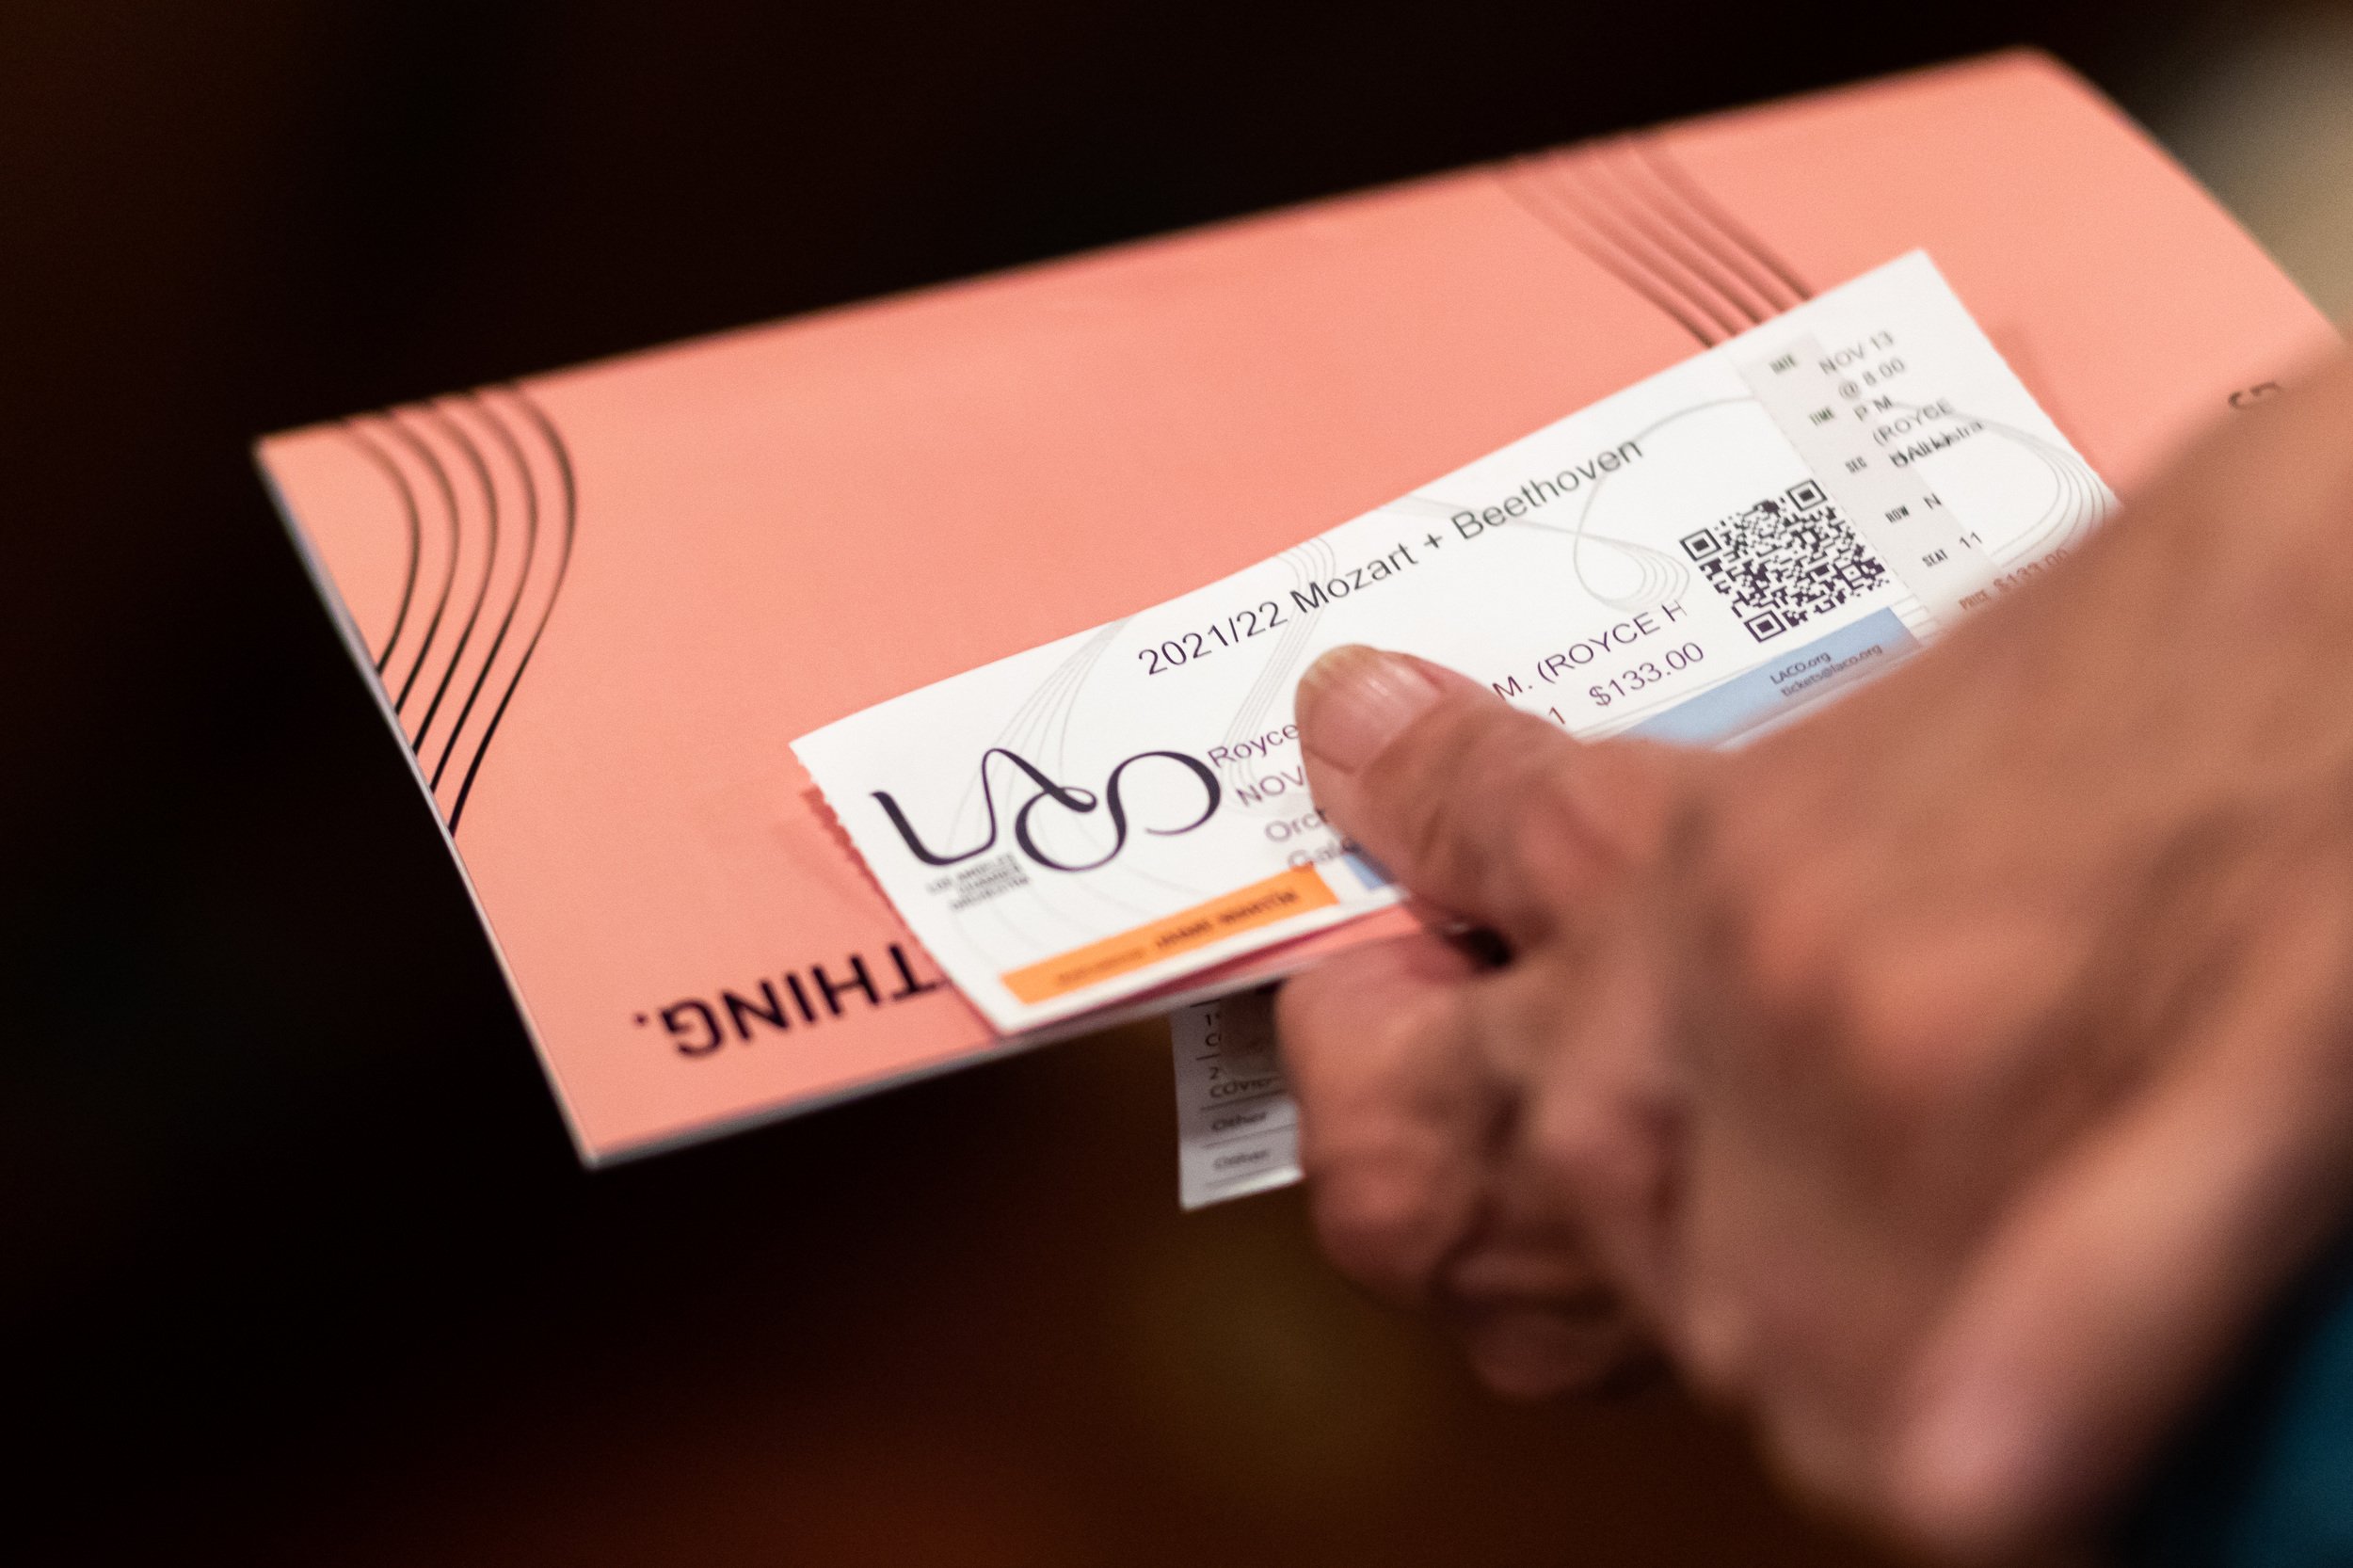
<point>1278,898</point>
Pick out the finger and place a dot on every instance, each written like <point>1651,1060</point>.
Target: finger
<point>1606,1118</point>
<point>1536,1351</point>
<point>1535,1311</point>
<point>1784,1293</point>
<point>1396,1110</point>
<point>1490,813</point>
<point>2113,1293</point>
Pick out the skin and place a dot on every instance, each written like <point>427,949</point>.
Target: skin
<point>1949,1079</point>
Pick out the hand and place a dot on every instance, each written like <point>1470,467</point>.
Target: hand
<point>1949,1079</point>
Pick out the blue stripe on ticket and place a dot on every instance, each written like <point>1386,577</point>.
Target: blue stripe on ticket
<point>1747,702</point>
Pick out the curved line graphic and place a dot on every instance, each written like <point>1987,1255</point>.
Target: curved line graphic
<point>1667,261</point>
<point>522,578</point>
<point>563,457</point>
<point>1063,795</point>
<point>1069,701</point>
<point>449,576</point>
<point>490,564</point>
<point>1028,725</point>
<point>1307,564</point>
<point>1057,720</point>
<point>1053,699</point>
<point>1283,651</point>
<point>1512,176</point>
<point>1700,201</point>
<point>1657,566</point>
<point>391,470</point>
<point>2077,503</point>
<point>1041,705</point>
<point>1693,219</point>
<point>1555,173</point>
<point>1698,249</point>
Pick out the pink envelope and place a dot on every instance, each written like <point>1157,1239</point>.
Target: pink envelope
<point>597,604</point>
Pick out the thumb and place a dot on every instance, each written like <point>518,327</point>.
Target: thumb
<point>1490,813</point>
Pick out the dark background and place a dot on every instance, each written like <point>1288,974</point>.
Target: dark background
<point>294,1261</point>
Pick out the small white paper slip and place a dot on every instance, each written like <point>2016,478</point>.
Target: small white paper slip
<point>1237,1125</point>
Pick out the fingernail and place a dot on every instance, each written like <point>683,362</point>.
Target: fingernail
<point>1354,700</point>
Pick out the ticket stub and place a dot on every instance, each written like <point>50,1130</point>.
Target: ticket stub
<point>1237,1125</point>
<point>1692,559</point>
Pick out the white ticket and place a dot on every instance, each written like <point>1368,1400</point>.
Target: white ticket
<point>1237,1125</point>
<point>1691,559</point>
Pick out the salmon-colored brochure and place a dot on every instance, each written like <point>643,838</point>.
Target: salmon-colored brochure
<point>598,604</point>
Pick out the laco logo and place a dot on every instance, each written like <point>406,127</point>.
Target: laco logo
<point>1068,798</point>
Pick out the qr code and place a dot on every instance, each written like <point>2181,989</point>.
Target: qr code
<point>1785,560</point>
